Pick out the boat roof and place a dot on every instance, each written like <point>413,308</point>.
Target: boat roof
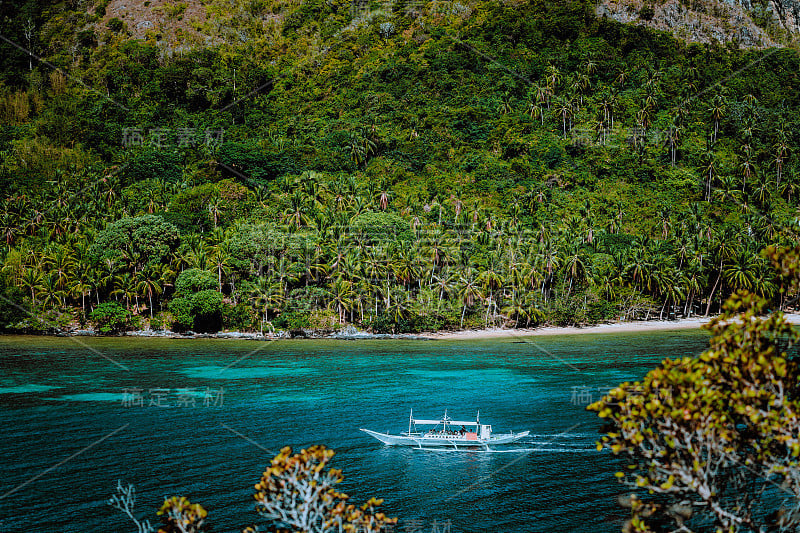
<point>445,420</point>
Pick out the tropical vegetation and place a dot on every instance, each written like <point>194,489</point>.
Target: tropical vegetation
<point>400,167</point>
<point>712,441</point>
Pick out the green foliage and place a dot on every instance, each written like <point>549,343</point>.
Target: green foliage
<point>190,207</point>
<point>160,322</point>
<point>152,164</point>
<point>706,436</point>
<point>238,317</point>
<point>12,308</point>
<point>207,302</point>
<point>207,310</point>
<point>380,324</point>
<point>110,317</point>
<point>145,240</point>
<point>254,165</point>
<point>198,304</point>
<point>323,509</point>
<point>292,321</point>
<point>380,227</point>
<point>182,310</point>
<point>116,25</point>
<point>194,280</point>
<point>590,170</point>
<point>584,308</point>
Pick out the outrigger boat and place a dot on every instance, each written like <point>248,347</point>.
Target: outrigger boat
<point>447,433</point>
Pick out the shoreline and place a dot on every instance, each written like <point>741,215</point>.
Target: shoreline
<point>476,334</point>
<point>613,327</point>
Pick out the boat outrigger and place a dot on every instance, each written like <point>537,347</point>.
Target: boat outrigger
<point>447,433</point>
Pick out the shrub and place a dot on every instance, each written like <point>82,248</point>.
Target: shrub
<point>110,317</point>
<point>320,508</point>
<point>238,317</point>
<point>181,309</point>
<point>116,25</point>
<point>292,320</point>
<point>201,311</point>
<point>194,280</point>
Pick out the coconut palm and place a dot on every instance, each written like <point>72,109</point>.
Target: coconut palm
<point>717,110</point>
<point>468,290</point>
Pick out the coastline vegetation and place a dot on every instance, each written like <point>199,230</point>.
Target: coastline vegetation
<point>415,168</point>
<point>712,441</point>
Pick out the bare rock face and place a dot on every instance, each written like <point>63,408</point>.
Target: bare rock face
<point>746,23</point>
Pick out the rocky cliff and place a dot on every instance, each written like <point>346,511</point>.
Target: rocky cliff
<point>746,23</point>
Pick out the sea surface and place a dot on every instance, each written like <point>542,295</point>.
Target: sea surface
<point>203,418</point>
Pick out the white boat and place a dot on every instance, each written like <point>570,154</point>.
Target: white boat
<point>447,433</point>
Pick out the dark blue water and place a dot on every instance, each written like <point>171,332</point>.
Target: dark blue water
<point>72,426</point>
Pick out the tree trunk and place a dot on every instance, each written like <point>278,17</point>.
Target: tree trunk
<point>713,290</point>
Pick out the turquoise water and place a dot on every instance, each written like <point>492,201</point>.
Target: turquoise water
<point>202,418</point>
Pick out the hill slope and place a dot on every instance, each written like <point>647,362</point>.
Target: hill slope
<point>431,165</point>
<point>744,23</point>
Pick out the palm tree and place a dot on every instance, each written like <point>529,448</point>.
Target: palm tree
<point>540,93</point>
<point>665,218</point>
<point>50,293</point>
<point>710,170</point>
<point>468,291</point>
<point>504,107</point>
<point>622,76</point>
<point>61,263</point>
<point>781,150</point>
<point>739,273</point>
<point>673,136</point>
<point>31,280</point>
<point>725,247</point>
<point>79,285</point>
<point>445,283</point>
<point>613,103</point>
<point>221,258</point>
<point>574,264</point>
<point>747,167</point>
<point>535,110</point>
<point>717,111</point>
<point>215,209</point>
<point>124,286</point>
<point>491,280</point>
<point>361,146</point>
<point>148,283</point>
<point>383,198</point>
<point>400,304</point>
<point>553,76</point>
<point>341,293</point>
<point>296,214</point>
<point>564,109</point>
<point>267,295</point>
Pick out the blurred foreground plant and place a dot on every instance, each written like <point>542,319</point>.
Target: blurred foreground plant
<point>714,441</point>
<point>296,493</point>
<point>299,492</point>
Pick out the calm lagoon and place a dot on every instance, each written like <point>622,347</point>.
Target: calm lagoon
<point>202,418</point>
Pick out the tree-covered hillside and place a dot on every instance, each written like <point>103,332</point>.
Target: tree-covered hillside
<point>398,166</point>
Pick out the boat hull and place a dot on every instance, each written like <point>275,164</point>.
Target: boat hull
<point>444,441</point>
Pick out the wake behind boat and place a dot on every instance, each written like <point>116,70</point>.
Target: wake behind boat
<point>447,433</point>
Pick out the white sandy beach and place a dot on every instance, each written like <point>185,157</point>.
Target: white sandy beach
<point>617,327</point>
